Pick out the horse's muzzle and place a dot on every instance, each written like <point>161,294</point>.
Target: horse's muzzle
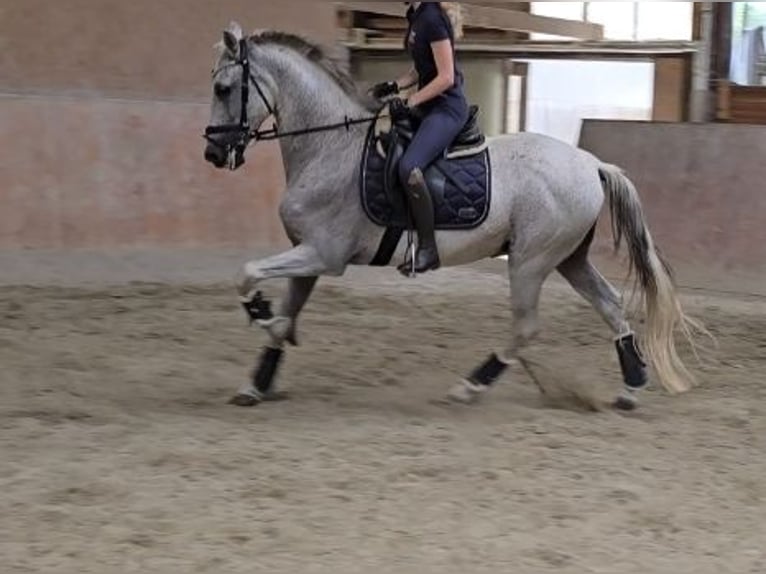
<point>226,145</point>
<point>225,155</point>
<point>216,155</point>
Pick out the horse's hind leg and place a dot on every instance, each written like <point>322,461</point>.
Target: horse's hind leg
<point>526,286</point>
<point>589,283</point>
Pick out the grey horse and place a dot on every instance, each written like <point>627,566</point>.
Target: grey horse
<point>547,198</point>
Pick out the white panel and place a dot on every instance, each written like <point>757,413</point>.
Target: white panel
<point>562,93</point>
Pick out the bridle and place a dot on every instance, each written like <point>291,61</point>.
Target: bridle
<point>242,134</point>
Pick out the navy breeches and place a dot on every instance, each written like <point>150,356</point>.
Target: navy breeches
<point>436,133</point>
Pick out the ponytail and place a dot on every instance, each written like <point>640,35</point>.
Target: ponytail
<point>455,13</point>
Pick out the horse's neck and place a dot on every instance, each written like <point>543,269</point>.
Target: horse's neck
<point>308,98</point>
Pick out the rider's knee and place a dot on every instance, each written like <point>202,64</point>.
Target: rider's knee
<point>409,172</point>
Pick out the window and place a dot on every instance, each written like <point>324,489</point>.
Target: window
<point>618,19</point>
<point>561,93</point>
<point>665,20</point>
<point>627,20</point>
<point>748,50</point>
<point>568,10</point>
<point>748,15</point>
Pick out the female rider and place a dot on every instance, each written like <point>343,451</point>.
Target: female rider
<point>441,104</point>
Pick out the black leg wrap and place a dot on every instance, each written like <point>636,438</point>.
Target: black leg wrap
<point>489,371</point>
<point>258,309</point>
<point>632,365</point>
<point>263,378</point>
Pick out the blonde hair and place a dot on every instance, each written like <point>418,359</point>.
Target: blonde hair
<point>455,12</point>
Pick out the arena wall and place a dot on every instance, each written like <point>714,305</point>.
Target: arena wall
<point>102,105</point>
<point>703,187</point>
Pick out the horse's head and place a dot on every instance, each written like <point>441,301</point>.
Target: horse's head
<point>242,100</point>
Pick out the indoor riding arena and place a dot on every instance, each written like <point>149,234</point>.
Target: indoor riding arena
<point>123,337</point>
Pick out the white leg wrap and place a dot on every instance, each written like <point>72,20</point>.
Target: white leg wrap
<point>466,392</point>
<point>248,390</point>
<point>278,329</point>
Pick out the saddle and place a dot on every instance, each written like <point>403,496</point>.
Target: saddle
<point>469,141</point>
<point>459,180</point>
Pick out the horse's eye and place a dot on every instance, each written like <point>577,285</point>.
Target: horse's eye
<point>222,91</point>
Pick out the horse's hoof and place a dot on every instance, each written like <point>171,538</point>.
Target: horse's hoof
<point>625,403</point>
<point>244,401</point>
<point>465,393</point>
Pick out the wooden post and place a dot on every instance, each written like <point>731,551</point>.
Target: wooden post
<point>671,85</point>
<point>723,108</point>
<point>701,103</point>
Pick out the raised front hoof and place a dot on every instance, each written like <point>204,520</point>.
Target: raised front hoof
<point>245,401</point>
<point>625,403</point>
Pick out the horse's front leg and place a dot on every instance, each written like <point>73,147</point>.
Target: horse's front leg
<point>302,266</point>
<point>301,261</point>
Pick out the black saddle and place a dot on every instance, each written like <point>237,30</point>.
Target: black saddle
<point>459,181</point>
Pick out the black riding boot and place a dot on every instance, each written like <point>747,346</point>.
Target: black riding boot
<point>422,210</point>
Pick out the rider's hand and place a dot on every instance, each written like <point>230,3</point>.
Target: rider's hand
<point>385,89</point>
<point>399,110</point>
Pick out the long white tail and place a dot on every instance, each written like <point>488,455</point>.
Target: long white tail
<point>653,276</point>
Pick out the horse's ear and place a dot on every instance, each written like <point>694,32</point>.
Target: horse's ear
<point>231,43</point>
<point>231,37</point>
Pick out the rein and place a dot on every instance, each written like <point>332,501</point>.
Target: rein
<point>275,134</point>
<point>244,135</point>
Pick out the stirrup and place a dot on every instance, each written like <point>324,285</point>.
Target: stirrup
<point>408,267</point>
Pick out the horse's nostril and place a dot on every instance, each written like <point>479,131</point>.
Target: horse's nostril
<point>213,155</point>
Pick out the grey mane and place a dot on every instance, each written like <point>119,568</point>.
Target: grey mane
<point>318,56</point>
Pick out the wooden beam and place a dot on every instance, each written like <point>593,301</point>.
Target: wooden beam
<point>640,51</point>
<point>697,21</point>
<point>504,19</point>
<point>498,19</point>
